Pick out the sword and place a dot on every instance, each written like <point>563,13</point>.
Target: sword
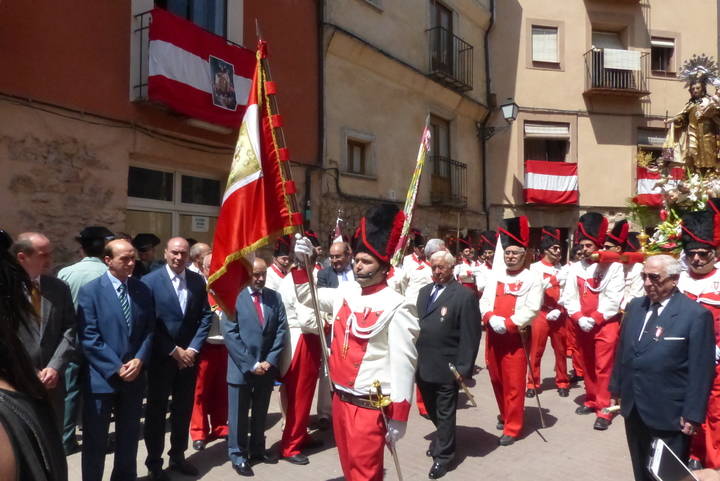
<point>381,402</point>
<point>523,336</point>
<point>462,384</point>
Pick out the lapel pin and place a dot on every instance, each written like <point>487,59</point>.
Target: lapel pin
<point>658,333</point>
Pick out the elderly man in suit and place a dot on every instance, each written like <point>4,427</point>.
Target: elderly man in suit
<point>340,269</point>
<point>254,338</point>
<point>449,333</point>
<point>50,340</point>
<point>183,320</point>
<point>116,320</point>
<point>664,365</point>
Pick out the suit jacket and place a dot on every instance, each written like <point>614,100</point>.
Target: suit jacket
<point>327,278</point>
<point>53,343</point>
<point>105,338</point>
<point>172,327</point>
<point>247,342</point>
<point>671,376</point>
<point>449,332</point>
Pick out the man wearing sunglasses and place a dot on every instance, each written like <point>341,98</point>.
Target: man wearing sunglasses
<point>701,283</point>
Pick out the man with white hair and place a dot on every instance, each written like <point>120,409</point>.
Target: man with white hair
<point>664,367</point>
<point>197,253</point>
<point>449,333</point>
<point>413,277</point>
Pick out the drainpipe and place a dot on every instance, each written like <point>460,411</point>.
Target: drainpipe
<point>485,121</point>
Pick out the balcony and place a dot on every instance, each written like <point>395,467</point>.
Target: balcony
<point>451,59</point>
<point>448,185</point>
<point>616,72</point>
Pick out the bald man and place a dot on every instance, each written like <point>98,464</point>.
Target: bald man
<point>183,320</point>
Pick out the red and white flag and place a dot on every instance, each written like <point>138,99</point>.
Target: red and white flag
<point>648,193</point>
<point>551,182</point>
<point>255,208</point>
<point>197,73</point>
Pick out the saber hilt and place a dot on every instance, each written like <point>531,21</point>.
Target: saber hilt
<point>380,402</point>
<point>462,384</point>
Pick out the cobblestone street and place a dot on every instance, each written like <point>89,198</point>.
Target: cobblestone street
<point>568,449</point>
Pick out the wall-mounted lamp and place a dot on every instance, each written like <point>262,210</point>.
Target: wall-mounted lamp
<point>509,110</point>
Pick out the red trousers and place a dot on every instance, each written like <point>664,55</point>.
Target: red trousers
<point>360,438</point>
<point>299,381</point>
<point>571,330</point>
<point>598,353</point>
<point>210,405</point>
<point>419,402</point>
<point>507,367</point>
<point>541,330</point>
<point>705,445</point>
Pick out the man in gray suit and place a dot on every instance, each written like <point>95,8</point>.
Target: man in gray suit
<point>254,338</point>
<point>50,339</point>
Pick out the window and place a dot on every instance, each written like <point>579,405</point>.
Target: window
<point>150,184</point>
<point>662,52</point>
<point>545,47</point>
<point>196,190</point>
<point>208,14</point>
<point>440,16</point>
<point>357,157</point>
<point>547,141</point>
<point>607,40</point>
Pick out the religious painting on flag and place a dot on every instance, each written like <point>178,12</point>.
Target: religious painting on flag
<point>197,73</point>
<point>551,183</point>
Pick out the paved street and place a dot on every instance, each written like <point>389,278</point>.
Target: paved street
<point>568,449</point>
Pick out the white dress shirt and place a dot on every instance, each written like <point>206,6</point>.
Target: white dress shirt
<point>649,313</point>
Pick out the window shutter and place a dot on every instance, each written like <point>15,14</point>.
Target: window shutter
<point>545,44</point>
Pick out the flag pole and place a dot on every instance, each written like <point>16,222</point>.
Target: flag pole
<point>281,143</point>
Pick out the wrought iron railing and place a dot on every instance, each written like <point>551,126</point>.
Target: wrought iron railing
<point>451,59</point>
<point>448,181</point>
<point>631,79</point>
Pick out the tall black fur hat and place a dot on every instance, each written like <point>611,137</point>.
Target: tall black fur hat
<point>619,233</point>
<point>282,246</point>
<point>516,232</point>
<point>593,227</point>
<point>379,232</point>
<point>700,230</point>
<point>549,237</point>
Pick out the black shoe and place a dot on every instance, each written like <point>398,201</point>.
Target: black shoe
<point>574,378</point>
<point>267,457</point>
<point>299,459</point>
<point>506,440</point>
<point>694,464</point>
<point>312,443</point>
<point>601,424</point>
<point>110,446</point>
<point>322,424</point>
<point>157,475</point>
<point>500,424</point>
<point>199,445</point>
<point>584,410</point>
<point>530,393</point>
<point>72,449</point>
<point>437,471</point>
<point>184,467</point>
<point>243,469</point>
<point>425,416</point>
<point>563,392</point>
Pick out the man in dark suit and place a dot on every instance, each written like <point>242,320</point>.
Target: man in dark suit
<point>340,269</point>
<point>116,319</point>
<point>183,319</point>
<point>254,338</point>
<point>664,365</point>
<point>449,333</point>
<point>50,340</point>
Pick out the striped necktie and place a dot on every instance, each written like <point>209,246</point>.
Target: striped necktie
<point>124,304</point>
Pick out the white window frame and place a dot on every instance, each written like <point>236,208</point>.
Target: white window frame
<point>535,55</point>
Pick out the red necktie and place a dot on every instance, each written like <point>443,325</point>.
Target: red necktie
<point>258,308</point>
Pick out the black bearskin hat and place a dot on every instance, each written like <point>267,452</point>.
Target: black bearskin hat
<point>700,230</point>
<point>145,241</point>
<point>593,227</point>
<point>313,237</point>
<point>632,243</point>
<point>416,238</point>
<point>282,246</point>
<point>515,233</point>
<point>619,233</point>
<point>379,232</point>
<point>488,240</point>
<point>549,237</point>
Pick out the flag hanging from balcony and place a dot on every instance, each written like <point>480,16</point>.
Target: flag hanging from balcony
<point>647,192</point>
<point>197,73</point>
<point>256,206</point>
<point>553,183</point>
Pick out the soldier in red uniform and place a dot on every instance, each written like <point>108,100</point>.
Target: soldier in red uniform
<point>550,321</point>
<point>701,283</point>
<point>373,339</point>
<point>280,264</point>
<point>594,293</point>
<point>512,299</point>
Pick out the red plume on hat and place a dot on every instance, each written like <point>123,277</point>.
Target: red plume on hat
<point>488,240</point>
<point>282,246</point>
<point>550,236</point>
<point>619,233</point>
<point>593,227</point>
<point>516,232</point>
<point>380,231</point>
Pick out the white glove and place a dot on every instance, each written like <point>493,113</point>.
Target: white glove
<point>553,315</point>
<point>395,431</point>
<point>303,248</point>
<point>498,324</point>
<point>586,323</point>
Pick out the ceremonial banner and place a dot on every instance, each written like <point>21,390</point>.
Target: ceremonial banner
<point>553,183</point>
<point>255,208</point>
<point>647,191</point>
<point>195,72</point>
<point>425,146</point>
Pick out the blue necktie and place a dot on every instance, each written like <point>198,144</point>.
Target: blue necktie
<point>434,295</point>
<point>124,304</point>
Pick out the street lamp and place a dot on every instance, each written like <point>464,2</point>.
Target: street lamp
<point>509,110</point>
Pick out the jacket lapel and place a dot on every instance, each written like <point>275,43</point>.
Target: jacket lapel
<point>111,297</point>
<point>170,289</point>
<point>441,298</point>
<point>267,310</point>
<point>664,320</point>
<point>45,307</point>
